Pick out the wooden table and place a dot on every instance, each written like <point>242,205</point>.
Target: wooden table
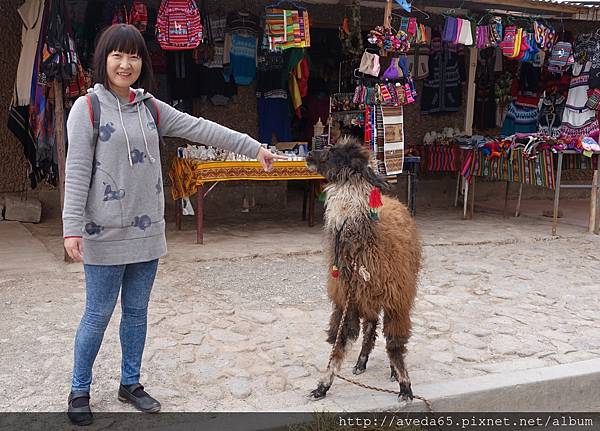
<point>411,165</point>
<point>594,186</point>
<point>594,215</point>
<point>198,173</point>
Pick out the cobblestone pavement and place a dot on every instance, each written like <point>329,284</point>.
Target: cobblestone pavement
<point>236,328</point>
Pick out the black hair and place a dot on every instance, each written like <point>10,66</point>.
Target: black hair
<point>127,39</point>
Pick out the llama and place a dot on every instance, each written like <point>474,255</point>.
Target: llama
<point>374,255</point>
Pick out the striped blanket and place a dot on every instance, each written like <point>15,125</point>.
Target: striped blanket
<point>378,140</point>
<point>440,158</point>
<point>513,167</point>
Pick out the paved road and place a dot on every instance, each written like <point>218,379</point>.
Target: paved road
<point>236,326</point>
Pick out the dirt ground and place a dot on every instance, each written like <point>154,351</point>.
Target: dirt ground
<point>237,324</point>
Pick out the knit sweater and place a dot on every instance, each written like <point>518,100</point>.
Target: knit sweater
<point>442,90</point>
<point>113,187</point>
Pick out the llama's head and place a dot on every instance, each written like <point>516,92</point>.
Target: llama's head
<point>347,159</point>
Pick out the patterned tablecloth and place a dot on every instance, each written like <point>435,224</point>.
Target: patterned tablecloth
<point>188,174</point>
<point>440,158</point>
<point>515,167</point>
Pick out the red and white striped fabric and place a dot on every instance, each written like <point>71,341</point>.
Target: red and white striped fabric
<point>178,25</point>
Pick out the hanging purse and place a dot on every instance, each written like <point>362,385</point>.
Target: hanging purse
<point>560,54</point>
<point>593,101</point>
<point>369,64</point>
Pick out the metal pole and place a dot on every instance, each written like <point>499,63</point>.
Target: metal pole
<point>518,209</point>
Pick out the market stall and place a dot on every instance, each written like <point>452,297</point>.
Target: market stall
<point>429,86</point>
<point>534,99</point>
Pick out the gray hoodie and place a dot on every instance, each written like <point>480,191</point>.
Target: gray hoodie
<point>113,187</point>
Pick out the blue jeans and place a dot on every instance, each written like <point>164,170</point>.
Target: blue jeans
<point>102,286</point>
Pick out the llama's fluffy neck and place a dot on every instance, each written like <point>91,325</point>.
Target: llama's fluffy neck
<point>347,202</point>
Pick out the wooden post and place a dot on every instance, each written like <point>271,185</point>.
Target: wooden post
<point>593,203</point>
<point>311,202</point>
<point>387,17</point>
<point>466,198</point>
<point>518,209</point>
<point>472,214</point>
<point>178,211</point>
<point>468,126</point>
<point>305,192</point>
<point>59,134</point>
<point>200,215</point>
<point>458,182</point>
<point>557,193</point>
<point>506,199</point>
<point>387,21</point>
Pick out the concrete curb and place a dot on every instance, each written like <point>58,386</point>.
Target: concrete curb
<point>567,387</point>
<point>562,388</point>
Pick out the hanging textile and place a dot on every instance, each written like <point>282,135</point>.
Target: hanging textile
<point>299,72</point>
<point>485,84</point>
<point>286,29</point>
<point>378,140</point>
<point>31,13</point>
<point>393,132</point>
<point>442,90</point>
<point>577,119</point>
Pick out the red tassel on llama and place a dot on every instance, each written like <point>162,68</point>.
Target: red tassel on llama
<point>335,272</point>
<point>375,203</point>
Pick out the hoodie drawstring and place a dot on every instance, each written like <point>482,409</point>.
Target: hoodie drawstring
<point>125,131</point>
<point>152,159</point>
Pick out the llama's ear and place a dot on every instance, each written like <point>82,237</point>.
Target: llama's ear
<point>374,179</point>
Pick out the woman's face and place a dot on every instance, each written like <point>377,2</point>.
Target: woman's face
<point>123,69</point>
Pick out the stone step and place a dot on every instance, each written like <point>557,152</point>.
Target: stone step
<point>26,211</point>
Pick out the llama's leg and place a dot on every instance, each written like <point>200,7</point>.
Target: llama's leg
<point>396,328</point>
<point>393,374</point>
<point>349,332</point>
<point>369,336</point>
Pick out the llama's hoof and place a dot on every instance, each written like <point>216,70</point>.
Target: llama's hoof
<point>358,370</point>
<point>318,393</point>
<point>405,392</point>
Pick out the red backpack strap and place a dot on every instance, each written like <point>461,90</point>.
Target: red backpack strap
<point>154,111</point>
<point>94,111</point>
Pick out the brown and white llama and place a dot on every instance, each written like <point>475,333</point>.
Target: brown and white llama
<point>373,255</point>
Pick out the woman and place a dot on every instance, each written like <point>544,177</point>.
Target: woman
<point>113,216</point>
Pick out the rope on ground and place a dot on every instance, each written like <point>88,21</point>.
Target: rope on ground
<point>389,391</point>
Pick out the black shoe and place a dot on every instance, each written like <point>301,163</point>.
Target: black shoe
<point>80,415</point>
<point>135,394</point>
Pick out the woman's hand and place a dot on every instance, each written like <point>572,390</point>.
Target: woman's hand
<point>74,247</point>
<point>266,158</point>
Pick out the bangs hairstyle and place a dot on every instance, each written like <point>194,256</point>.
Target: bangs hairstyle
<point>127,39</point>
